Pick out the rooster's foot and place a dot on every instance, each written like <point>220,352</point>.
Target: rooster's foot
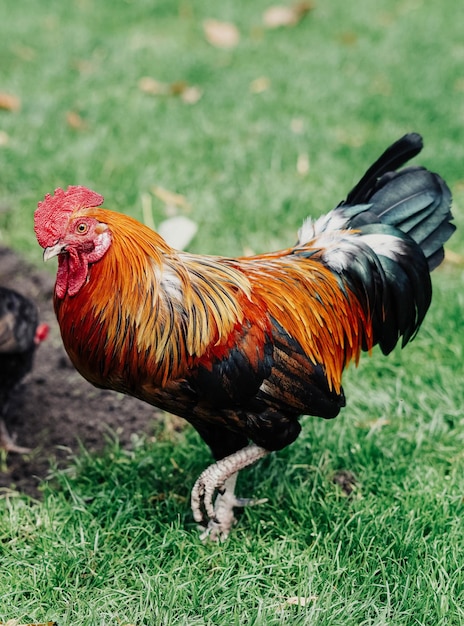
<point>217,520</point>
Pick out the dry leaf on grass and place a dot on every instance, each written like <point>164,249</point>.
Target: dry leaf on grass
<point>153,87</point>
<point>170,198</point>
<point>86,66</point>
<point>259,85</point>
<point>75,121</point>
<point>348,38</point>
<point>178,231</point>
<point>4,138</point>
<point>281,15</point>
<point>221,34</point>
<point>277,16</point>
<point>177,87</point>
<point>190,94</point>
<point>9,102</point>
<point>454,258</point>
<point>302,164</point>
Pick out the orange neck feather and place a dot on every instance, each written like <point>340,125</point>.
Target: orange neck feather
<point>143,312</point>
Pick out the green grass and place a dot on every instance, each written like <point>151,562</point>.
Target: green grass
<point>112,541</point>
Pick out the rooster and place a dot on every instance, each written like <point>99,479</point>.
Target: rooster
<point>20,334</point>
<point>241,347</point>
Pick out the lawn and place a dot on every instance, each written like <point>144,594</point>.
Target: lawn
<point>127,97</point>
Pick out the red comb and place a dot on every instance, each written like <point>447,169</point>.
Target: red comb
<point>53,212</point>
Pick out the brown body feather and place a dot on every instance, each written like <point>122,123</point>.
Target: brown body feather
<point>159,324</point>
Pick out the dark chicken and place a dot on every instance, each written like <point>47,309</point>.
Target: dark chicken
<point>241,347</point>
<point>20,334</point>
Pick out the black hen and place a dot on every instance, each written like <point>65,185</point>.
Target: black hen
<point>20,334</point>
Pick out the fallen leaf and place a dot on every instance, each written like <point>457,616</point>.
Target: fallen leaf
<point>4,138</point>
<point>260,84</point>
<point>302,164</point>
<point>281,15</point>
<point>277,16</point>
<point>302,8</point>
<point>170,197</point>
<point>178,231</point>
<point>75,121</point>
<point>191,95</point>
<point>9,102</point>
<point>454,258</point>
<point>348,38</point>
<point>85,66</point>
<point>153,87</point>
<point>177,87</point>
<point>221,34</point>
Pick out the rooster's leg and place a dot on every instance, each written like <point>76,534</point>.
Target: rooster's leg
<point>222,476</point>
<point>7,443</point>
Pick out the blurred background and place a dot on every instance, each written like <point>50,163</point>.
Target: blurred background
<point>255,114</point>
<point>244,117</point>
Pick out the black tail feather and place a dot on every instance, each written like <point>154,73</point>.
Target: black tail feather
<point>414,200</point>
<point>402,219</point>
<point>394,157</point>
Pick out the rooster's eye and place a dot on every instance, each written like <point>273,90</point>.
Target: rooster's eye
<point>82,228</point>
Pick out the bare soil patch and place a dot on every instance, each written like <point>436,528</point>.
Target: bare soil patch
<point>55,410</point>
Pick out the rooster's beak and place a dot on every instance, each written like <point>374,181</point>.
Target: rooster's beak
<point>52,251</point>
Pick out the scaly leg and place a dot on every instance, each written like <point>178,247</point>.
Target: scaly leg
<point>7,443</point>
<point>222,476</point>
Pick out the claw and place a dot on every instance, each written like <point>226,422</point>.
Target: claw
<point>217,519</point>
<point>214,532</point>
